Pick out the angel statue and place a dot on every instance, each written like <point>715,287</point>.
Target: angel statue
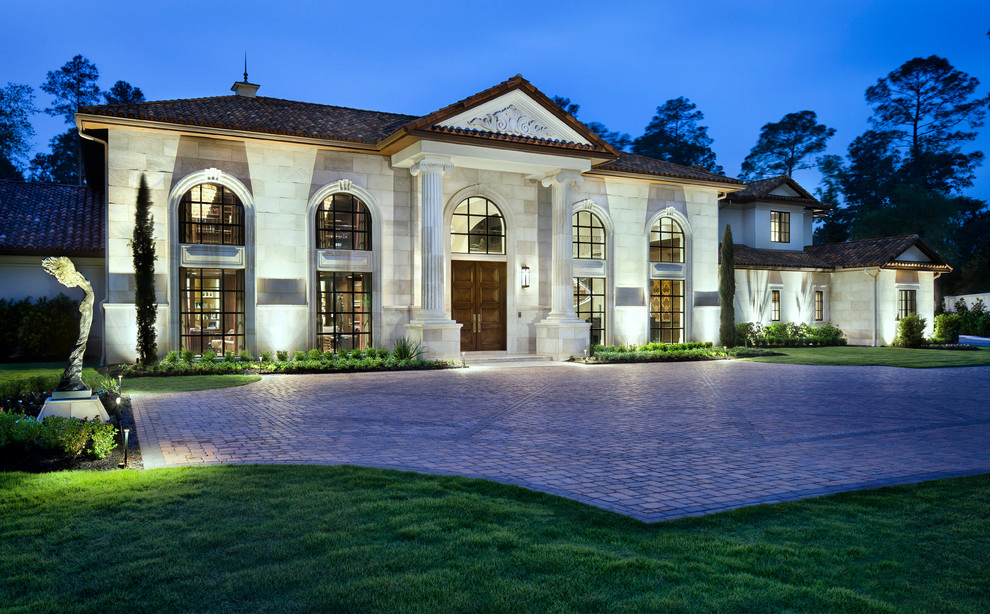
<point>67,275</point>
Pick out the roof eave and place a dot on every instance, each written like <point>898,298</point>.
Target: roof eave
<point>669,179</point>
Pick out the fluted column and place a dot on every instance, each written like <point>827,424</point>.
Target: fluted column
<point>431,170</point>
<point>561,252</point>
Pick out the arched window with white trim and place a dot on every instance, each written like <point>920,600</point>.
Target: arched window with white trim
<point>667,243</point>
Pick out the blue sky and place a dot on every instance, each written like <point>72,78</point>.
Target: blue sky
<point>742,63</point>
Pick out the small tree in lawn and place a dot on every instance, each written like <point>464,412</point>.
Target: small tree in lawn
<point>727,291</point>
<point>143,247</point>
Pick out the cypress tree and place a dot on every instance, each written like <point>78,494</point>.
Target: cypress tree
<point>143,247</point>
<point>727,291</point>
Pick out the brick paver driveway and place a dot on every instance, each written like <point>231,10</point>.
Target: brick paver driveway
<point>653,441</point>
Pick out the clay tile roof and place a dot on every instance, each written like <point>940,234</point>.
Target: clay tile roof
<point>266,115</point>
<point>761,190</point>
<point>632,163</point>
<point>50,219</point>
<point>879,252</point>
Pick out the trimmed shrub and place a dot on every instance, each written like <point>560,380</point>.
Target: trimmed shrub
<point>209,356</point>
<point>946,328</point>
<point>299,356</point>
<point>11,316</point>
<point>187,356</point>
<point>282,355</point>
<point>910,331</point>
<point>266,356</point>
<point>171,358</point>
<point>246,356</point>
<point>314,354</point>
<point>50,328</point>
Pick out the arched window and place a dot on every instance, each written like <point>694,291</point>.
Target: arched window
<point>588,236</point>
<point>477,227</point>
<point>666,241</point>
<point>343,222</point>
<point>211,214</point>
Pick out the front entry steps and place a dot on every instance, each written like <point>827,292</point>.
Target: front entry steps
<point>503,359</point>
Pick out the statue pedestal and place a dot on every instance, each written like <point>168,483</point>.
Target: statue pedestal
<point>74,404</point>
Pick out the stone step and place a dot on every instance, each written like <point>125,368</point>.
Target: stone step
<point>501,358</point>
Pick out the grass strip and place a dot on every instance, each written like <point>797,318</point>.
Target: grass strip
<point>879,356</point>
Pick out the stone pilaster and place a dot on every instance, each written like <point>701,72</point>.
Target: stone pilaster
<point>439,335</point>
<point>561,334</point>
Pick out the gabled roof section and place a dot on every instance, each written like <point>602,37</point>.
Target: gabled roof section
<point>903,252</point>
<point>641,165</point>
<point>263,115</point>
<point>50,219</point>
<point>775,189</point>
<point>513,111</point>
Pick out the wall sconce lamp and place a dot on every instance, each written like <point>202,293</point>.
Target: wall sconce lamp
<point>524,276</point>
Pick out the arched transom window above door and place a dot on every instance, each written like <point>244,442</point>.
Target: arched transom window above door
<point>477,227</point>
<point>588,236</point>
<point>666,241</point>
<point>343,222</point>
<point>211,214</point>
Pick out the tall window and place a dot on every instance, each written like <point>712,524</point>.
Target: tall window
<point>775,305</point>
<point>343,311</point>
<point>211,310</point>
<point>343,222</point>
<point>589,304</point>
<point>211,214</point>
<point>819,305</point>
<point>588,236</point>
<point>477,228</point>
<point>907,303</point>
<point>780,227</point>
<point>666,241</point>
<point>667,311</point>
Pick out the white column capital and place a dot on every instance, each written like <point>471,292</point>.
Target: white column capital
<point>563,178</point>
<point>432,163</point>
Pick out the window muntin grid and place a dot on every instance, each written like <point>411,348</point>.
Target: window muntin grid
<point>343,222</point>
<point>780,227</point>
<point>819,305</point>
<point>211,215</point>
<point>211,310</point>
<point>589,305</point>
<point>343,318</point>
<point>588,235</point>
<point>477,227</point>
<point>667,310</point>
<point>907,303</point>
<point>775,305</point>
<point>666,241</point>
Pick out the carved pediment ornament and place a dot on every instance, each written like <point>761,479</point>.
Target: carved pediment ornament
<point>510,120</point>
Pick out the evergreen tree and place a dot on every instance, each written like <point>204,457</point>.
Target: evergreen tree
<point>675,136</point>
<point>60,165</point>
<point>727,291</point>
<point>786,146</point>
<point>123,92</point>
<point>619,140</point>
<point>143,248</point>
<point>73,86</point>
<point>16,108</point>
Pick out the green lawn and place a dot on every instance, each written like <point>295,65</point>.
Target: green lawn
<point>186,383</point>
<point>23,370</point>
<point>291,538</point>
<point>883,356</point>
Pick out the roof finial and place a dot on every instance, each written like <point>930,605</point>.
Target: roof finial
<point>245,67</point>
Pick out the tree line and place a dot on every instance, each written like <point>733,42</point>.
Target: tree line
<point>71,86</point>
<point>904,175</point>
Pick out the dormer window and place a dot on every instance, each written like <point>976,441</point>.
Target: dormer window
<point>780,227</point>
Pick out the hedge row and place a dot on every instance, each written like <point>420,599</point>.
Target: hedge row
<point>966,320</point>
<point>788,334</point>
<point>46,328</point>
<point>70,436</point>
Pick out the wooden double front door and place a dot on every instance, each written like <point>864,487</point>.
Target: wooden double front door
<point>477,296</point>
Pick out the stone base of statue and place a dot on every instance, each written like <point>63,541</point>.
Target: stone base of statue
<point>74,404</point>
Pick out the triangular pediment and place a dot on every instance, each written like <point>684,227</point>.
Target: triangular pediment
<point>515,114</point>
<point>785,190</point>
<point>913,254</point>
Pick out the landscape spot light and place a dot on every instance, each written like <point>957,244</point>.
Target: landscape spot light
<point>127,434</point>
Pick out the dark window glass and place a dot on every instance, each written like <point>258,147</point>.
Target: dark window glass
<point>780,226</point>
<point>477,227</point>
<point>667,311</point>
<point>589,304</point>
<point>819,305</point>
<point>343,320</point>
<point>588,236</point>
<point>211,310</point>
<point>212,215</point>
<point>666,241</point>
<point>907,303</point>
<point>343,222</point>
<point>775,305</point>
